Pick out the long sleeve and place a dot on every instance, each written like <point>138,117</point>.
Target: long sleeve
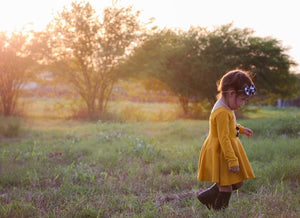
<point>241,128</point>
<point>222,121</point>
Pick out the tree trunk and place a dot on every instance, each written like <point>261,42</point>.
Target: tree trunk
<point>184,101</point>
<point>90,107</point>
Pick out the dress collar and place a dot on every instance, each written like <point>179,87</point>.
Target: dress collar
<point>221,103</point>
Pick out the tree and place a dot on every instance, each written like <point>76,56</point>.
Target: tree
<point>227,48</point>
<point>15,70</point>
<point>86,52</point>
<point>218,51</point>
<point>191,62</point>
<point>167,56</point>
<point>267,59</point>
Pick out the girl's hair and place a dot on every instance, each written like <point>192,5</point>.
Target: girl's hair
<point>235,80</point>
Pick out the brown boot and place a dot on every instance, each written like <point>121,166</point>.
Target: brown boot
<point>208,197</point>
<point>222,200</point>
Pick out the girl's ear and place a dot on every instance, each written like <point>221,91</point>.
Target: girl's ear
<point>231,93</point>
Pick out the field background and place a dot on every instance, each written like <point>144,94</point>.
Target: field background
<point>141,162</point>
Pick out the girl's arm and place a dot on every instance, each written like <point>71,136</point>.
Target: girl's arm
<point>235,169</point>
<point>248,132</point>
<point>222,122</point>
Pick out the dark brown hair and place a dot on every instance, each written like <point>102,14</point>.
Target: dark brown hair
<point>235,80</point>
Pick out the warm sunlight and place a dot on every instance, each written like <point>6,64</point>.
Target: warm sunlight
<point>266,18</point>
<point>130,108</point>
<point>30,14</point>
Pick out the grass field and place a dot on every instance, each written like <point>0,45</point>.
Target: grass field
<point>54,167</point>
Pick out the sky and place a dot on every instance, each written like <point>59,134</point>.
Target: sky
<point>275,18</point>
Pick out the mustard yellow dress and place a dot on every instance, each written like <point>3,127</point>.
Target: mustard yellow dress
<point>223,149</point>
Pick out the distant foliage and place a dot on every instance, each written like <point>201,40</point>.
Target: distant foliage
<point>15,67</point>
<point>10,127</point>
<point>190,62</point>
<point>84,51</point>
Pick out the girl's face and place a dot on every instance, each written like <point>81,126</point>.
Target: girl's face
<point>235,101</point>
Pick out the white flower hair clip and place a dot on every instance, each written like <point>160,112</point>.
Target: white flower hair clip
<point>250,90</point>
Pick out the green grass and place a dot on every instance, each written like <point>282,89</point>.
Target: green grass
<point>70,168</point>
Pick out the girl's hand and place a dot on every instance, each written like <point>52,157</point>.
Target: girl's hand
<point>234,169</point>
<point>248,132</point>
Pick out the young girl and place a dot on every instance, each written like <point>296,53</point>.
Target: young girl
<point>222,158</point>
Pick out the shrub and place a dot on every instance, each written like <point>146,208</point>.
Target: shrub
<point>200,110</point>
<point>10,126</point>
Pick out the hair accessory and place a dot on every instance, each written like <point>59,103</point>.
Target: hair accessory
<point>250,90</point>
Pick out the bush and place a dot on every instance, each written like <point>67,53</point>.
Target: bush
<point>10,126</point>
<point>200,110</point>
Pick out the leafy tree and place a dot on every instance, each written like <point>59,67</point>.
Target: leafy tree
<point>85,52</point>
<point>267,59</point>
<point>218,51</point>
<point>15,70</point>
<point>227,48</point>
<point>191,62</point>
<point>166,55</point>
